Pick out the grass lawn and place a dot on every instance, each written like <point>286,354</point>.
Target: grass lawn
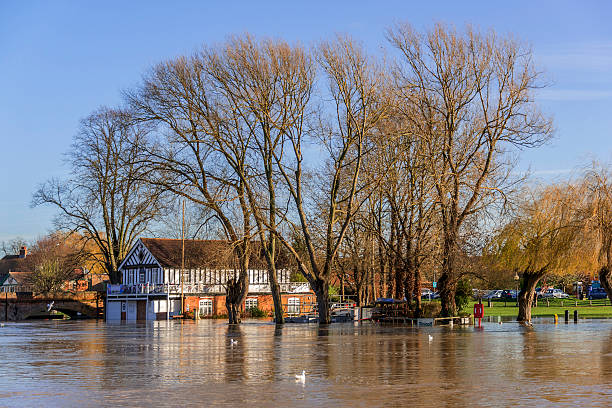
<point>597,308</point>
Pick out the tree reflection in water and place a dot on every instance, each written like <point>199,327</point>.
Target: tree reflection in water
<point>193,363</point>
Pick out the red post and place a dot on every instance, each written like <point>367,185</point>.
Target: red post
<point>479,312</point>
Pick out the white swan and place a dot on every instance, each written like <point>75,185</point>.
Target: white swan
<point>301,377</point>
<point>233,342</point>
<point>430,337</point>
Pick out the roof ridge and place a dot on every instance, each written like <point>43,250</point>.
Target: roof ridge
<point>187,239</point>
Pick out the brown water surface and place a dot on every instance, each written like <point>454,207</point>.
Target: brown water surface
<point>89,363</point>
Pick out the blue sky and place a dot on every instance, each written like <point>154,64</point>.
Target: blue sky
<point>60,60</point>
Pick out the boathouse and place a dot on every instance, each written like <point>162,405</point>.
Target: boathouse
<point>153,281</point>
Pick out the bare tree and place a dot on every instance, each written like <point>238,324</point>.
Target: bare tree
<point>13,246</point>
<point>179,97</point>
<point>408,197</point>
<point>357,90</point>
<point>53,261</point>
<point>470,97</point>
<point>105,199</point>
<point>265,88</point>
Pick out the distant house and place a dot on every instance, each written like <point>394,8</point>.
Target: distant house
<point>152,281</point>
<point>13,276</point>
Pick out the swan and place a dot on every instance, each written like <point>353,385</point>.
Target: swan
<point>430,337</point>
<point>233,342</point>
<point>301,377</point>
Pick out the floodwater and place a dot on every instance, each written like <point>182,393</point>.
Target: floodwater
<point>91,364</point>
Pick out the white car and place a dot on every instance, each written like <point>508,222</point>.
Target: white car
<point>494,294</point>
<point>555,293</point>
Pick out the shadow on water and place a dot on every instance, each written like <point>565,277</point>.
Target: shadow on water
<point>606,357</point>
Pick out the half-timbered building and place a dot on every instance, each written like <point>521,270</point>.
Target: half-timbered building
<point>155,273</point>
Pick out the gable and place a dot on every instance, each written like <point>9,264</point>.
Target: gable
<point>9,281</point>
<point>139,256</point>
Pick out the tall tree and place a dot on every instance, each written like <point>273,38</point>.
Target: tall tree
<point>598,185</point>
<point>105,198</point>
<point>357,96</point>
<point>265,88</point>
<point>471,100</point>
<point>180,99</point>
<point>542,238</point>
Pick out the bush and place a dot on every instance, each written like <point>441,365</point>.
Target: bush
<point>463,294</point>
<point>256,312</point>
<point>297,277</point>
<point>431,309</point>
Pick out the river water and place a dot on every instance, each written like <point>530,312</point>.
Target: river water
<point>93,363</point>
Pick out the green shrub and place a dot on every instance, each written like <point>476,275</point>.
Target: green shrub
<point>297,277</point>
<point>256,312</point>
<point>463,294</point>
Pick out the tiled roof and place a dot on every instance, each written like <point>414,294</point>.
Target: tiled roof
<point>203,254</point>
<point>11,263</point>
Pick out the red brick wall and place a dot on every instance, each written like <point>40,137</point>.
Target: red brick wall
<point>192,303</point>
<point>264,302</point>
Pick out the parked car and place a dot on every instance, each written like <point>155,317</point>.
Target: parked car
<point>494,294</point>
<point>478,294</point>
<point>555,293</point>
<point>598,293</point>
<point>427,294</point>
<point>508,294</point>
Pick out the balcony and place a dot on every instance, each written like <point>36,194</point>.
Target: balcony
<point>196,288</point>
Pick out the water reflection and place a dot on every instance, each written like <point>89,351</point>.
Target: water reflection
<point>195,363</point>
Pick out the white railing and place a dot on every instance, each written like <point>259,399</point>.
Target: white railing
<point>166,288</point>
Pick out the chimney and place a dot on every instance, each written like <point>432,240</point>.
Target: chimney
<point>23,252</point>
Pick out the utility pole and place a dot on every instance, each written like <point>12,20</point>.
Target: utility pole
<point>183,261</point>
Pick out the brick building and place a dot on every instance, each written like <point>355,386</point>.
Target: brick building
<point>153,281</point>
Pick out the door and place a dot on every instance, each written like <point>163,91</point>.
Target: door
<point>141,310</point>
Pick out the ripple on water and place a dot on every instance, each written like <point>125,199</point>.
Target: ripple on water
<point>88,363</point>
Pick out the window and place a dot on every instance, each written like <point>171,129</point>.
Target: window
<point>206,307</point>
<point>293,305</point>
<point>141,275</point>
<point>250,303</point>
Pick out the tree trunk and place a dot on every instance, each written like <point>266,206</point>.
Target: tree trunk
<point>233,314</point>
<point>526,295</point>
<point>400,279</point>
<point>448,287</point>
<point>236,292</point>
<point>605,278</point>
<point>321,290</point>
<point>114,276</point>
<point>276,297</point>
<point>417,291</point>
<point>448,281</point>
<point>237,288</point>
